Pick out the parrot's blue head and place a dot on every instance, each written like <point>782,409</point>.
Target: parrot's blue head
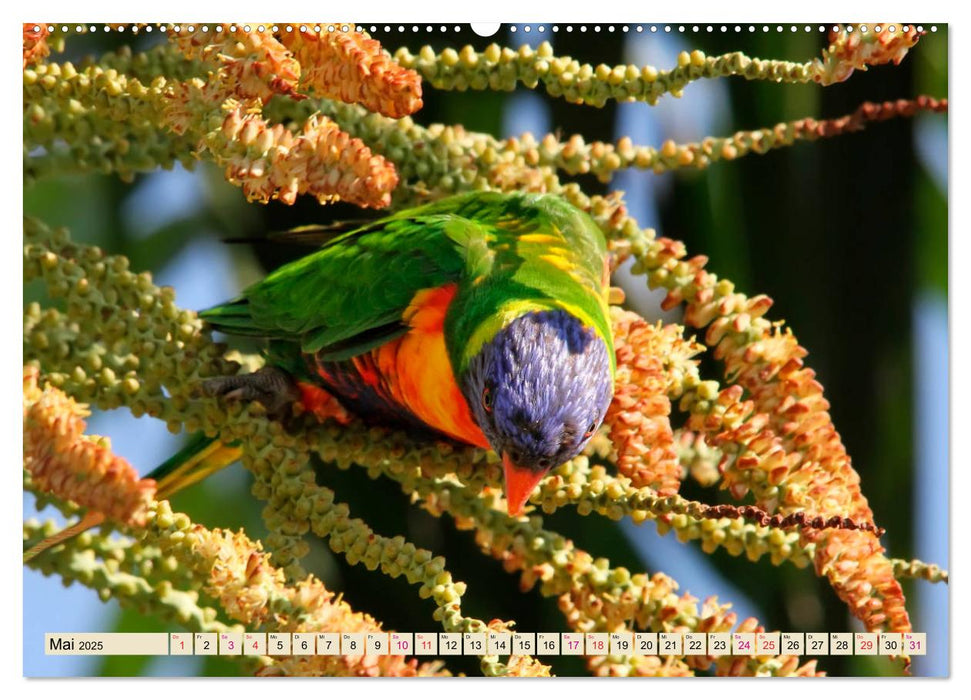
<point>538,390</point>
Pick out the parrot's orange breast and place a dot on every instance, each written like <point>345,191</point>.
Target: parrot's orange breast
<point>411,374</point>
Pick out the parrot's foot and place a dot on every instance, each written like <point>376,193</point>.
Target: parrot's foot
<point>271,386</point>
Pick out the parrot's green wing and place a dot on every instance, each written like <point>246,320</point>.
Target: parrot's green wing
<point>349,296</point>
<point>508,253</point>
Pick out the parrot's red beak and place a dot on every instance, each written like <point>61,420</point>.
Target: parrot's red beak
<point>520,483</point>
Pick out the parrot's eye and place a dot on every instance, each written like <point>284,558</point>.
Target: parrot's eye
<point>590,431</point>
<point>487,399</point>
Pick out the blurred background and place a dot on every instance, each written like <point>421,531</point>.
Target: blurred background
<point>848,236</point>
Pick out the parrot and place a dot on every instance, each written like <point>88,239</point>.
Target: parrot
<point>481,318</point>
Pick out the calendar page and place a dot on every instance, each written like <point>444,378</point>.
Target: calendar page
<point>531,349</point>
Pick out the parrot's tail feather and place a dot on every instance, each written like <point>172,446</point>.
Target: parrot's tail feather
<point>197,460</point>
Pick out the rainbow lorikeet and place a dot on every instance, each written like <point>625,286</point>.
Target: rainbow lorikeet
<point>482,318</point>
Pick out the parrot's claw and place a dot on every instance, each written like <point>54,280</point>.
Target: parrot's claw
<point>270,386</point>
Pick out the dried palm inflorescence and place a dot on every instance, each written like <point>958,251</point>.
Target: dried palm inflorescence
<point>61,459</point>
<point>322,110</point>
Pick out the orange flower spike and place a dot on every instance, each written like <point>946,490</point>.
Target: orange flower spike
<point>527,667</point>
<point>73,466</point>
<point>352,67</point>
<point>252,591</point>
<point>251,64</point>
<point>869,587</point>
<point>849,51</point>
<point>640,429</point>
<point>35,43</point>
<point>787,449</point>
<point>323,161</point>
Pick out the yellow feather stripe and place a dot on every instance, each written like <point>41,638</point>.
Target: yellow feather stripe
<point>541,238</point>
<point>512,310</point>
<point>208,461</point>
<point>558,261</point>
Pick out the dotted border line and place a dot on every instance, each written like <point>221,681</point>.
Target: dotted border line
<point>514,28</point>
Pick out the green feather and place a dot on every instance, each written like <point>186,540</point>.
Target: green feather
<point>507,253</point>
